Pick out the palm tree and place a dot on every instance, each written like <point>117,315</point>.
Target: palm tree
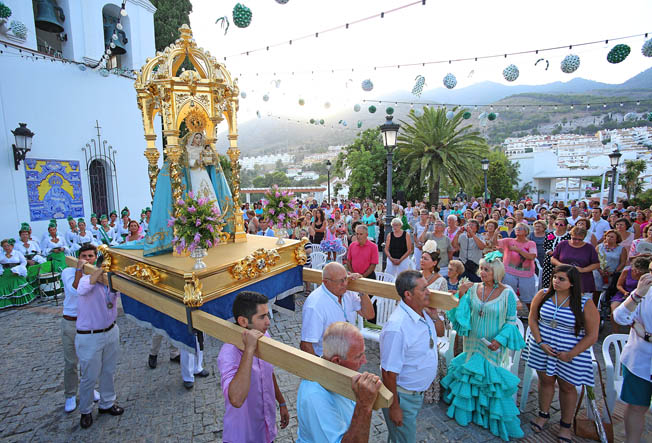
<point>434,148</point>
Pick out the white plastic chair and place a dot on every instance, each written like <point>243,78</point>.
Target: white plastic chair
<point>318,260</point>
<point>530,375</point>
<point>515,356</point>
<point>340,257</point>
<point>316,247</point>
<point>384,309</point>
<point>614,368</point>
<point>384,276</point>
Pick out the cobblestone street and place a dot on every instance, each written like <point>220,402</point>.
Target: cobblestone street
<point>157,406</point>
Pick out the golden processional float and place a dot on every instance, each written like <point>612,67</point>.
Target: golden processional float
<point>163,291</point>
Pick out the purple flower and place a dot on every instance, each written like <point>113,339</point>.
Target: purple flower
<point>183,219</point>
<point>192,247</point>
<point>171,222</point>
<point>209,243</point>
<point>198,222</point>
<point>179,249</point>
<point>275,186</point>
<point>210,228</point>
<point>197,237</point>
<point>191,194</point>
<point>278,194</point>
<point>181,202</point>
<point>192,210</point>
<point>210,219</point>
<point>183,243</point>
<point>216,210</point>
<point>280,204</point>
<point>175,239</point>
<point>272,211</point>
<point>281,217</point>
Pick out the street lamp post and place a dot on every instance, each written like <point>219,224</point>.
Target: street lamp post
<point>614,158</point>
<point>390,132</point>
<point>328,169</point>
<point>485,168</point>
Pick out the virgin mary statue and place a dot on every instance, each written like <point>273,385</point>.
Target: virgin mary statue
<point>201,173</point>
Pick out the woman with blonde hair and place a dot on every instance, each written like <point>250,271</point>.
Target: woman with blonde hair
<point>477,380</point>
<point>491,236</point>
<point>398,248</point>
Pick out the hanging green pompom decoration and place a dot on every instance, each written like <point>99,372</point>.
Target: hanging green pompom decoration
<point>302,102</point>
<point>618,53</point>
<point>359,123</point>
<point>510,73</point>
<point>356,108</point>
<point>321,122</point>
<point>649,116</point>
<point>389,110</point>
<point>5,11</point>
<point>570,63</point>
<point>312,121</point>
<point>266,98</point>
<point>646,50</point>
<point>372,109</point>
<point>241,16</point>
<point>466,115</point>
<point>491,116</point>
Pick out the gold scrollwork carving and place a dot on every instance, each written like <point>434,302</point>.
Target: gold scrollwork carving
<point>144,273</point>
<point>108,259</point>
<point>300,253</point>
<point>192,292</point>
<point>259,262</point>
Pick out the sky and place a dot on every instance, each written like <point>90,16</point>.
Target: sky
<point>435,31</point>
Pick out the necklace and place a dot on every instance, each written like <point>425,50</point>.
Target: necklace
<point>485,300</point>
<point>553,322</point>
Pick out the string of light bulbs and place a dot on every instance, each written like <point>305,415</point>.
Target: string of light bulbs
<point>316,34</point>
<point>504,54</point>
<point>604,104</point>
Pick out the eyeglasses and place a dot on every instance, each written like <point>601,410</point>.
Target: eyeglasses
<point>560,224</point>
<point>509,223</point>
<point>339,281</point>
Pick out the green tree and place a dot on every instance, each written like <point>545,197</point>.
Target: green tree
<point>432,147</point>
<point>168,18</point>
<point>272,178</point>
<point>502,177</point>
<point>643,199</point>
<point>631,179</point>
<point>365,158</point>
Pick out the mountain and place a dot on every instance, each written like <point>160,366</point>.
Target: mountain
<point>269,134</point>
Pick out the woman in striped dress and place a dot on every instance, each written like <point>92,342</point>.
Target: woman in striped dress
<point>564,324</point>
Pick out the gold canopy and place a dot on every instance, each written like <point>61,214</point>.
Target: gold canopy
<point>202,97</point>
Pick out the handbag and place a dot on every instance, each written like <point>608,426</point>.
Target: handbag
<point>587,428</point>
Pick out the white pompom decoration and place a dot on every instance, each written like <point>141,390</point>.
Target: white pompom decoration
<point>570,63</point>
<point>450,81</point>
<point>647,48</point>
<point>367,85</point>
<point>510,73</point>
<point>450,115</point>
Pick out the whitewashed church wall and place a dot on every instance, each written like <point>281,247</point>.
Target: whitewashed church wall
<point>61,103</point>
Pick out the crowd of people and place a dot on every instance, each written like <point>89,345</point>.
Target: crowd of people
<point>559,267</point>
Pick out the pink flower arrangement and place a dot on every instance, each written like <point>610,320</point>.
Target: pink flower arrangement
<point>278,207</point>
<point>197,224</point>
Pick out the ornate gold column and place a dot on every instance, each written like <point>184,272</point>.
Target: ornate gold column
<point>234,154</point>
<point>152,155</point>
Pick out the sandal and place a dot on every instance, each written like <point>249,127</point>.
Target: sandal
<point>567,426</point>
<point>538,428</point>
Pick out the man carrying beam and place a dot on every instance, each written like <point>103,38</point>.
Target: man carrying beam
<point>326,416</point>
<point>248,383</point>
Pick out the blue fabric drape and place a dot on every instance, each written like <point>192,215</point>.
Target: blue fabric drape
<point>278,285</point>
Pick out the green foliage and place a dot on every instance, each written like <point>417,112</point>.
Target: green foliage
<point>643,199</point>
<point>5,11</point>
<point>631,179</point>
<point>431,148</point>
<point>168,18</point>
<point>502,178</point>
<point>272,178</point>
<point>365,158</point>
<point>197,225</point>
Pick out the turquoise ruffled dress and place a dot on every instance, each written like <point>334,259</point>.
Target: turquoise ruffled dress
<point>478,387</point>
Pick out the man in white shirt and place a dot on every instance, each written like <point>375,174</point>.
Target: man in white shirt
<point>529,213</point>
<point>408,355</point>
<point>329,303</point>
<point>575,215</point>
<point>598,225</point>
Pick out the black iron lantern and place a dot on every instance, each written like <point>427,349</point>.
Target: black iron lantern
<point>23,144</point>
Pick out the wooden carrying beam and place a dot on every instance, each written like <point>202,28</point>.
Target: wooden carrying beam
<point>333,377</point>
<point>438,299</point>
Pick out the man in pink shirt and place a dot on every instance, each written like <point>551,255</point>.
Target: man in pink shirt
<point>248,383</point>
<point>362,256</point>
<point>97,339</point>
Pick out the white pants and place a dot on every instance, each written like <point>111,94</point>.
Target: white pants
<point>191,364</point>
<point>393,269</point>
<point>416,257</point>
<point>98,358</point>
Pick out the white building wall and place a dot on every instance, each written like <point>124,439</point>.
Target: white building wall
<point>60,103</point>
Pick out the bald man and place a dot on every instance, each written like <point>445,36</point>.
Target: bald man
<point>330,303</point>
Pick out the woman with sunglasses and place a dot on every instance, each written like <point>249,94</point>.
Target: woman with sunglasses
<point>576,252</point>
<point>507,230</point>
<point>554,238</point>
